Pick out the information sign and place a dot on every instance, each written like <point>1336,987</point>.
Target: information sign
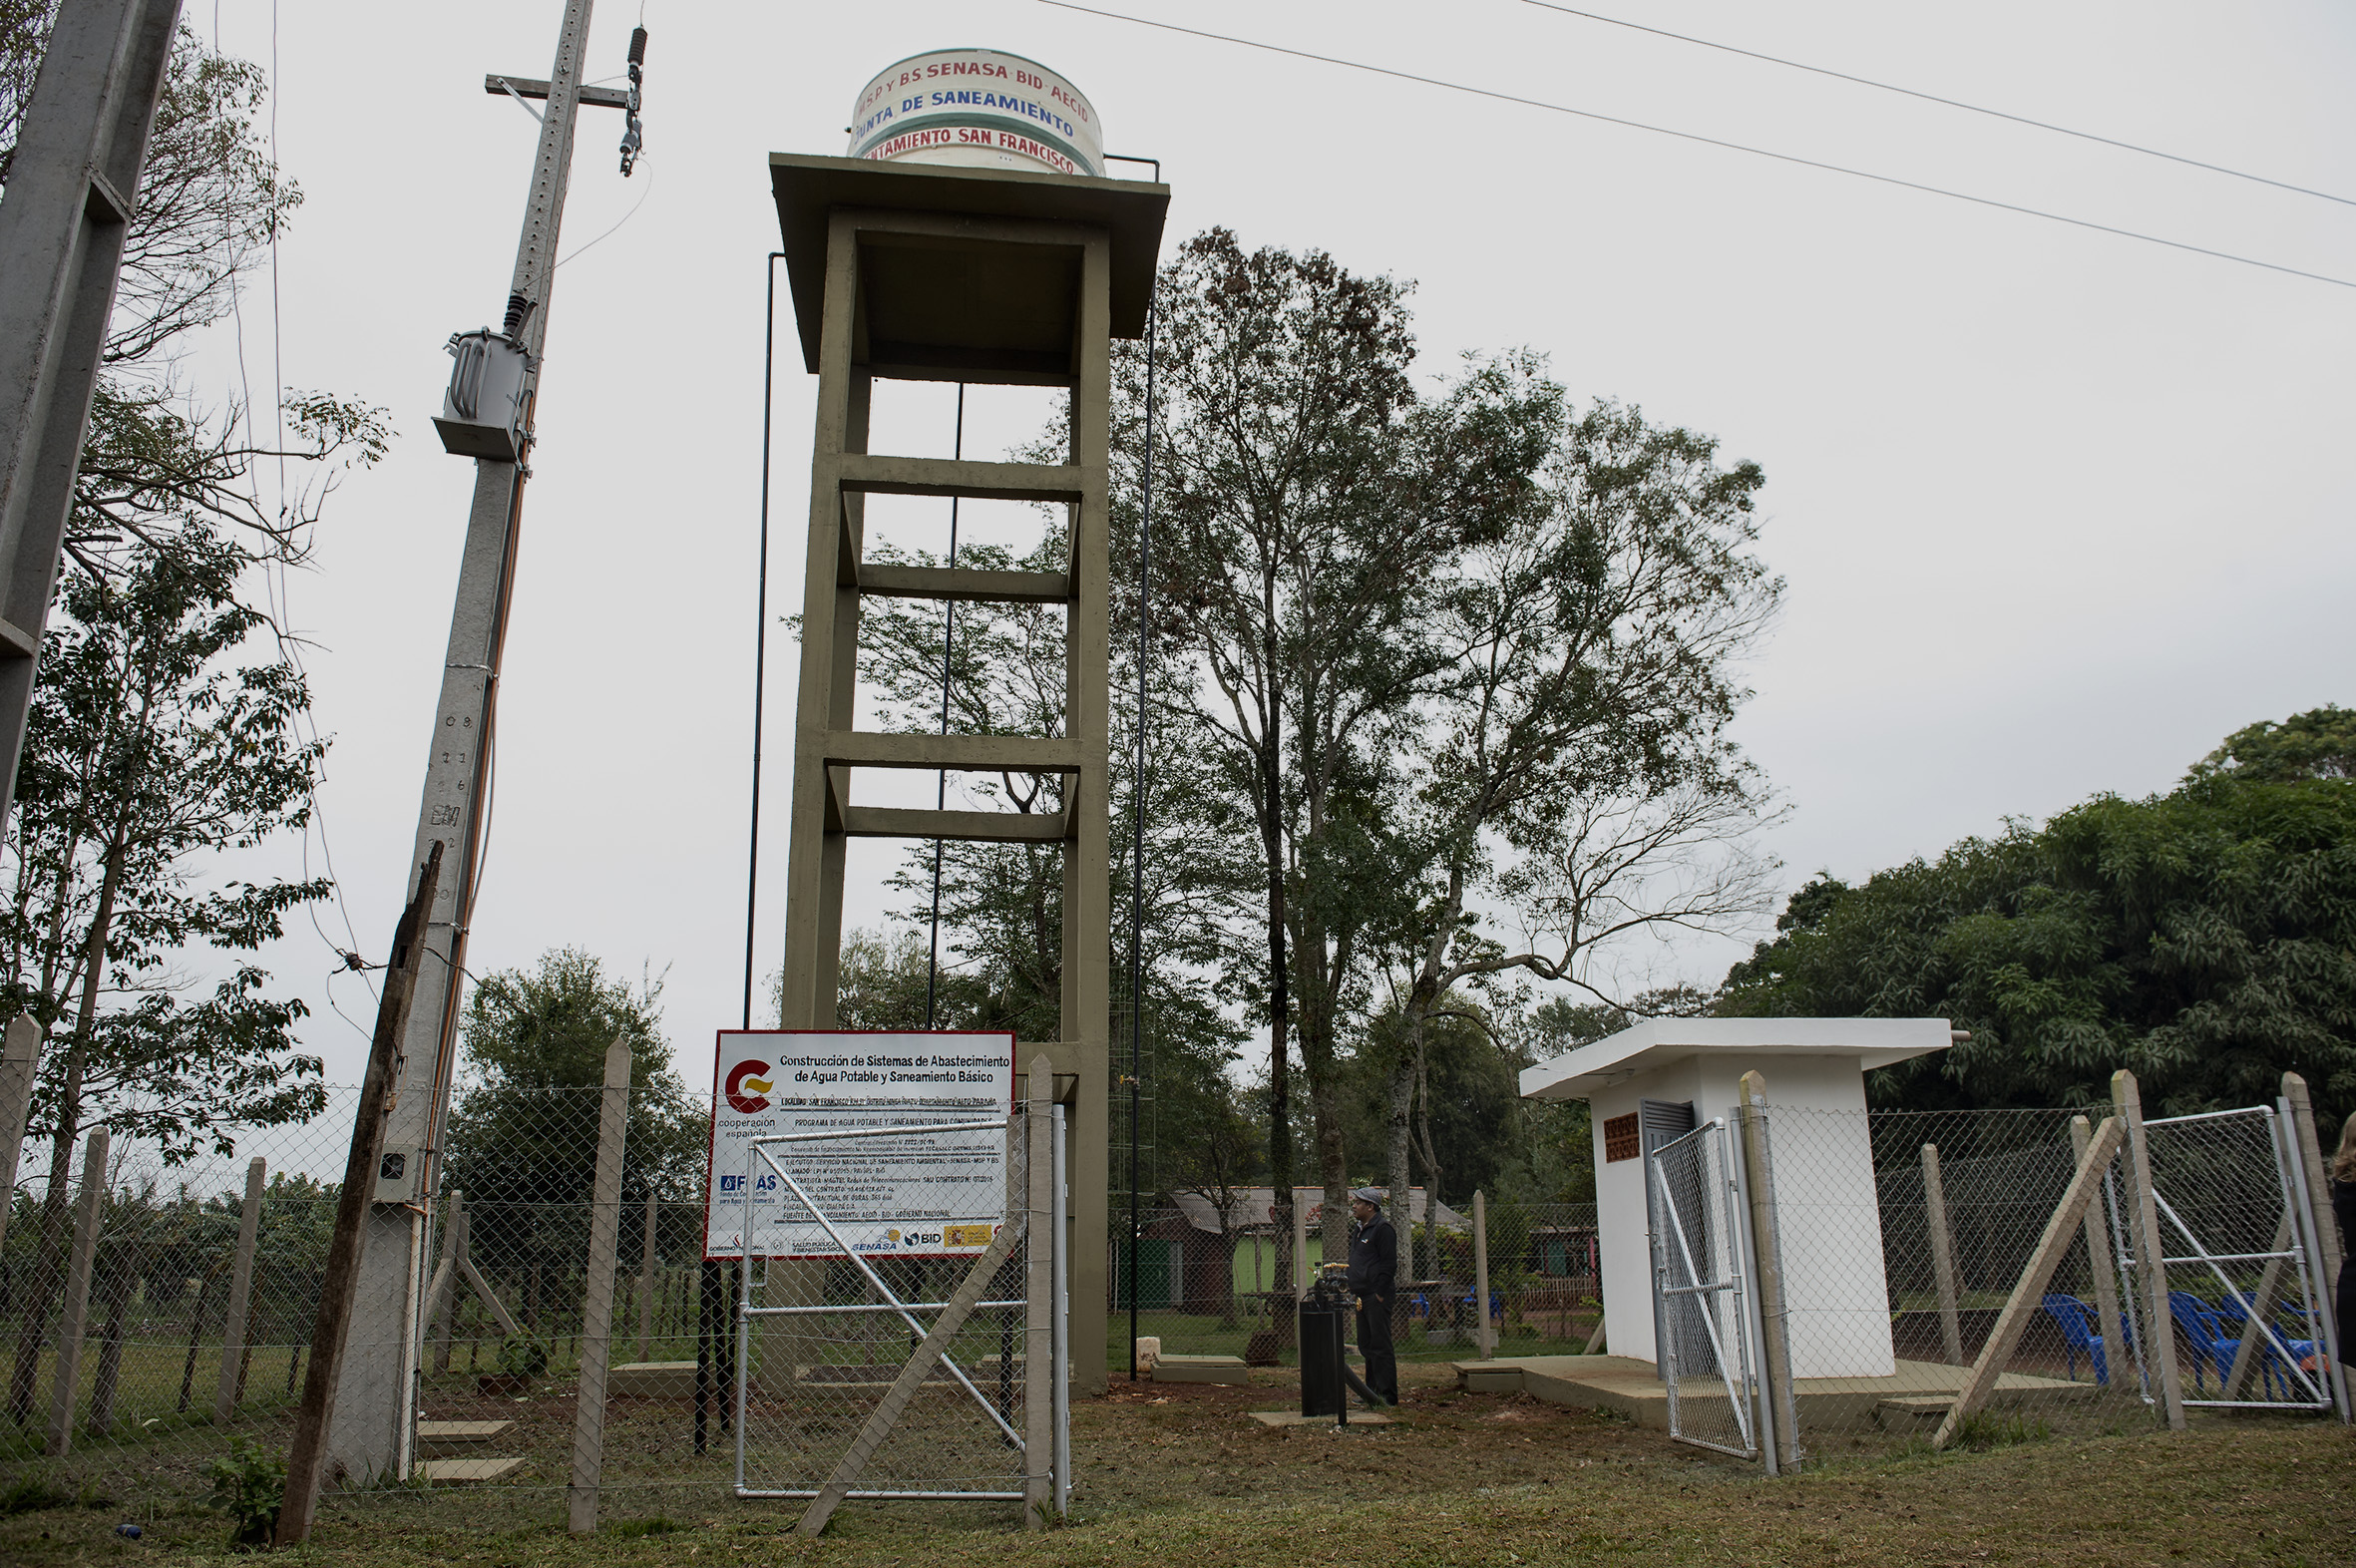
<point>930,1195</point>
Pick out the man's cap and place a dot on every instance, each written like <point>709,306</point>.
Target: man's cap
<point>1373,1195</point>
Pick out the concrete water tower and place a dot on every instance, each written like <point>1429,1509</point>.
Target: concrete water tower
<point>971,238</point>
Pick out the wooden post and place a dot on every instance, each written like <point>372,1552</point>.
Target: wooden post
<point>1480,1270</point>
<point>1934,1206</point>
<point>1774,1313</point>
<point>596,1307</point>
<point>20,1061</point>
<point>2327,1233</point>
<point>2160,1336</point>
<point>1300,1270</point>
<point>2102,1262</point>
<point>66,1385</point>
<point>2059,1231</point>
<point>1039,1325</point>
<point>309,1448</point>
<point>646,1285</point>
<point>233,1329</point>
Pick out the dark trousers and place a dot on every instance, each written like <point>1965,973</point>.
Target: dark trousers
<point>2346,1306</point>
<point>1374,1342</point>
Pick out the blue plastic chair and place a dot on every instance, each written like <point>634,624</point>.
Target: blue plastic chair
<point>2075,1321</point>
<point>2206,1332</point>
<point>2271,1364</point>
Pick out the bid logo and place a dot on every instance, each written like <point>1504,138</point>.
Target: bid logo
<point>740,1078</point>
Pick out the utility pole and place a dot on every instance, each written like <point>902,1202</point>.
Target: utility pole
<point>375,1400</point>
<point>73,184</point>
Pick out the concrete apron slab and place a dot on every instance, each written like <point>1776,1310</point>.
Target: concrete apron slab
<point>1201,1368</point>
<point>1917,1390</point>
<point>1296,1418</point>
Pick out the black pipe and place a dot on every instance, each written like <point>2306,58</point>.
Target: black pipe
<point>752,874</point>
<point>948,638</point>
<point>1137,810</point>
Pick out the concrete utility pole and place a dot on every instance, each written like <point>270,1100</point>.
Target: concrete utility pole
<point>374,1404</point>
<point>71,188</point>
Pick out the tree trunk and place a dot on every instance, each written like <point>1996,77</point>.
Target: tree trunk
<point>1398,1140</point>
<point>1431,1172</point>
<point>1280,1091</point>
<point>121,1288</point>
<point>188,1371</point>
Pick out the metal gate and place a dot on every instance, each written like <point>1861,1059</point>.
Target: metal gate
<point>826,1334</point>
<point>2247,1298</point>
<point>1698,1245</point>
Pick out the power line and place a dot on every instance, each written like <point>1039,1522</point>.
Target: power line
<point>1706,141</point>
<point>1933,98</point>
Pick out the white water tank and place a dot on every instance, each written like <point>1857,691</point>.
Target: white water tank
<point>980,109</point>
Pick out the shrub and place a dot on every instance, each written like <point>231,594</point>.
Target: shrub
<point>249,1485</point>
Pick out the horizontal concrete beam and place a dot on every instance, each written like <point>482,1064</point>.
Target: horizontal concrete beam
<point>992,587</point>
<point>907,475</point>
<point>972,827</point>
<point>859,748</point>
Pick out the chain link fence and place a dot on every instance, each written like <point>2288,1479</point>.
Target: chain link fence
<point>1902,1236</point>
<point>196,1326</point>
<point>1202,1291</point>
<point>826,1344</point>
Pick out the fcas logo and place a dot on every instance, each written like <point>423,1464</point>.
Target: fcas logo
<point>742,1077</point>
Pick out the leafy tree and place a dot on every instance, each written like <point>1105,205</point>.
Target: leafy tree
<point>1216,1155</point>
<point>2205,938</point>
<point>1575,768</point>
<point>148,749</point>
<point>156,460</point>
<point>523,1128</point>
<point>2317,744</point>
<point>1307,499</point>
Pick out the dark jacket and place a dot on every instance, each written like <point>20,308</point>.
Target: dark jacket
<point>2343,1208</point>
<point>1373,1257</point>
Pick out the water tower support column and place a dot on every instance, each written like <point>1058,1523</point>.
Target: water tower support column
<point>929,272</point>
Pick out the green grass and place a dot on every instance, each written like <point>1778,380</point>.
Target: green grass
<point>1178,1477</point>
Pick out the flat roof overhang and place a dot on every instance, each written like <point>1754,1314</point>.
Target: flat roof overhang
<point>1659,1042</point>
<point>807,188</point>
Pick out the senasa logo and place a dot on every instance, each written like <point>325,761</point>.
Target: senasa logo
<point>741,1078</point>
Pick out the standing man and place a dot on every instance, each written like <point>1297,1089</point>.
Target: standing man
<point>1374,1265</point>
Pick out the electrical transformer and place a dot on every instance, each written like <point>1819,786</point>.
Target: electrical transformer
<point>483,410</point>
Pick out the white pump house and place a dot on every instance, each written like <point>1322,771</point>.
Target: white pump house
<point>1649,1084</point>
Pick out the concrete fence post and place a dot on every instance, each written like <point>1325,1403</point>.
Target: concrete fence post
<point>233,1329</point>
<point>1480,1272</point>
<point>1039,1347</point>
<point>1934,1206</point>
<point>65,1385</point>
<point>20,1062</point>
<point>1774,1316</point>
<point>442,1296</point>
<point>2101,1260</point>
<point>2313,1189</point>
<point>2142,1215</point>
<point>596,1314</point>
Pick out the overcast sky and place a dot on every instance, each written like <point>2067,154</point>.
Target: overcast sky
<point>2057,508</point>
